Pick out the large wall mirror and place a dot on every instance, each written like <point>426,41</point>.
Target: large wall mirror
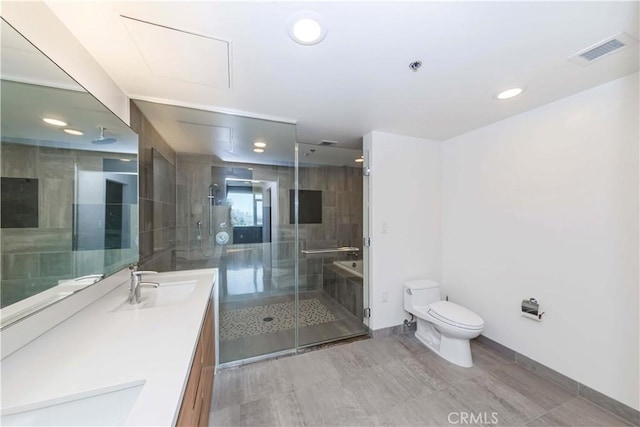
<point>69,172</point>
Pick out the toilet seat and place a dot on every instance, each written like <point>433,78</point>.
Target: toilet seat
<point>455,315</point>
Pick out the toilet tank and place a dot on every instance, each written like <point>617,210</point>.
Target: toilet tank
<point>420,293</point>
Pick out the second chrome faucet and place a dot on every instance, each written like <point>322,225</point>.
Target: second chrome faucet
<point>137,283</point>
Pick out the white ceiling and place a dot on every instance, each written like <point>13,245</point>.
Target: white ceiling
<point>358,79</point>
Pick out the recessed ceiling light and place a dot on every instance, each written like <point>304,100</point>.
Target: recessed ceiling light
<point>73,132</point>
<point>359,160</point>
<point>260,144</point>
<point>306,28</point>
<point>258,150</point>
<point>509,93</point>
<point>54,122</point>
<point>249,169</point>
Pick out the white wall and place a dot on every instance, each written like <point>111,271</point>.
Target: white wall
<point>37,22</point>
<point>545,205</point>
<point>404,191</point>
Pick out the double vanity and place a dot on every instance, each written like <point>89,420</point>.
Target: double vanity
<point>118,363</point>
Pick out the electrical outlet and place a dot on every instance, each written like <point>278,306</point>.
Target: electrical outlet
<point>385,227</point>
<point>385,296</point>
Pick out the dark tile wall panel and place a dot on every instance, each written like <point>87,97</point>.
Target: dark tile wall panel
<point>36,258</point>
<point>346,289</point>
<point>157,201</point>
<point>342,218</point>
<point>341,225</point>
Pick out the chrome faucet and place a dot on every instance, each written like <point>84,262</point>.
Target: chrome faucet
<point>136,283</point>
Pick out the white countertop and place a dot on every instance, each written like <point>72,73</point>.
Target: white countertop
<point>98,348</point>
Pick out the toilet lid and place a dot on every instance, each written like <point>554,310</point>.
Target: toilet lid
<point>456,315</point>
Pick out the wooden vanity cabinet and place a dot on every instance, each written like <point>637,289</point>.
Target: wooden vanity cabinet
<point>196,402</point>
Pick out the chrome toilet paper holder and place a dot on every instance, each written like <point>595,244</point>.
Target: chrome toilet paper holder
<point>530,308</point>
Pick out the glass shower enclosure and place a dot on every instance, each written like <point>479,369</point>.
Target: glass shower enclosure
<point>283,227</point>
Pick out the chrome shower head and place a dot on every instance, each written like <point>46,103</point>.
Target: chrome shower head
<point>102,140</point>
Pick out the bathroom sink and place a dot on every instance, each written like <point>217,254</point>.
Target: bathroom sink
<point>167,294</point>
<point>108,406</point>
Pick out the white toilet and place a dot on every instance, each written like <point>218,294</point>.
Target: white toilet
<point>443,326</point>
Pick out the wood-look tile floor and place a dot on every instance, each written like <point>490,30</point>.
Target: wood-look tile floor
<point>394,381</point>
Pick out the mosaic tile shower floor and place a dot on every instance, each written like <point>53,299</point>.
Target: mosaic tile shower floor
<point>250,321</point>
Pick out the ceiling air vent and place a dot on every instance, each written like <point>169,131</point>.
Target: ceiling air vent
<point>602,49</point>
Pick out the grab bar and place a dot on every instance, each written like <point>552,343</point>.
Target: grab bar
<point>331,250</point>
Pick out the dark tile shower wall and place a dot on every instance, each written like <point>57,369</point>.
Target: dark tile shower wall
<point>344,288</point>
<point>195,174</point>
<point>157,175</point>
<point>341,218</point>
<point>35,258</point>
<point>341,215</point>
<point>194,179</point>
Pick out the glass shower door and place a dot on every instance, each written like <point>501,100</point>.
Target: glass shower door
<point>331,294</point>
<point>256,261</point>
<point>234,215</point>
